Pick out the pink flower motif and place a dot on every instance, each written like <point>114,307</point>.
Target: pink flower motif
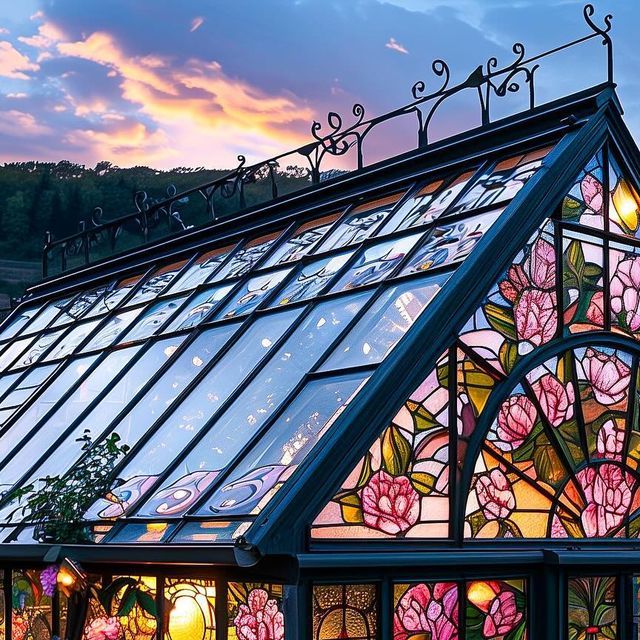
<point>535,315</point>
<point>557,528</point>
<point>610,440</point>
<point>503,615</point>
<point>555,398</point>
<point>608,376</point>
<point>625,292</point>
<point>495,495</point>
<point>389,503</point>
<point>20,627</point>
<point>591,189</point>
<point>49,579</point>
<point>259,619</point>
<point>422,613</point>
<point>608,490</point>
<point>103,629</point>
<point>542,264</point>
<point>516,281</point>
<point>516,418</point>
<point>595,310</point>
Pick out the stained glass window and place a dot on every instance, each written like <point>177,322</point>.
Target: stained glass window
<point>345,611</point>
<point>192,609</point>
<point>31,606</point>
<point>139,622</point>
<point>592,609</point>
<point>496,610</point>
<point>584,204</point>
<point>255,609</point>
<point>414,210</point>
<point>430,610</point>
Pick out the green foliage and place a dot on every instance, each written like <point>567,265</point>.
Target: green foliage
<point>57,504</point>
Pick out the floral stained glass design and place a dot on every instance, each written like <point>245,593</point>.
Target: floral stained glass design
<point>254,610</point>
<point>584,204</point>
<point>192,614</point>
<point>345,612</point>
<point>31,606</point>
<point>138,622</point>
<point>592,610</point>
<point>496,610</point>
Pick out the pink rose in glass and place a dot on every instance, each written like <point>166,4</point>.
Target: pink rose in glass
<point>103,629</point>
<point>608,376</point>
<point>595,310</point>
<point>535,316</point>
<point>591,189</point>
<point>49,579</point>
<point>389,503</point>
<point>259,619</point>
<point>542,264</point>
<point>516,418</point>
<point>495,495</point>
<point>502,616</point>
<point>556,399</point>
<point>421,612</point>
<point>610,440</point>
<point>625,292</point>
<point>516,281</point>
<point>608,491</point>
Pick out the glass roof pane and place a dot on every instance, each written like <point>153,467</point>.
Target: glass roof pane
<point>244,259</point>
<point>140,532</point>
<point>438,205</point>
<point>34,438</point>
<point>259,400</point>
<point>18,321</point>
<point>156,283</point>
<point>12,350</point>
<point>72,340</point>
<point>80,306</point>
<point>7,380</point>
<point>34,352</point>
<point>154,317</point>
<point>214,531</point>
<point>312,279</point>
<point>414,211</point>
<point>302,242</point>
<point>282,448</point>
<point>384,323</point>
<point>112,329</point>
<point>201,269</point>
<point>191,413</point>
<point>376,263</point>
<point>31,381</point>
<point>47,315</point>
<point>113,296</point>
<point>59,385</point>
<point>450,243</point>
<point>360,223</point>
<point>97,421</point>
<point>198,307</point>
<point>251,294</point>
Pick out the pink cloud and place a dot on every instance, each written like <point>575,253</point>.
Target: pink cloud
<point>394,45</point>
<point>14,64</point>
<point>21,124</point>
<point>196,23</point>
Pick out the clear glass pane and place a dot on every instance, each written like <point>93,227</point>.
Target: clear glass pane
<point>155,317</point>
<point>198,308</point>
<point>112,329</point>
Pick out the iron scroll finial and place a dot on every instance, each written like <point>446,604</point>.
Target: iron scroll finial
<point>588,12</point>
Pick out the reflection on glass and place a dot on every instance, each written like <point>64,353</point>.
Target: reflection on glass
<point>250,410</point>
<point>72,340</point>
<point>110,406</point>
<point>211,531</point>
<point>153,318</point>
<point>450,243</point>
<point>312,279</point>
<point>184,421</point>
<point>241,261</point>
<point>113,296</point>
<point>414,211</point>
<point>438,205</point>
<point>35,351</point>
<point>27,385</point>
<point>360,223</point>
<point>22,432</point>
<point>376,263</point>
<point>157,283</point>
<point>47,315</point>
<point>201,269</point>
<point>12,350</point>
<point>501,183</point>
<point>198,308</point>
<point>283,447</point>
<point>303,240</point>
<point>18,321</point>
<point>251,294</point>
<point>80,306</point>
<point>384,323</point>
<point>112,329</point>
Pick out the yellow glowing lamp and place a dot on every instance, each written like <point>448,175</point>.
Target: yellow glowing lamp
<point>627,205</point>
<point>70,577</point>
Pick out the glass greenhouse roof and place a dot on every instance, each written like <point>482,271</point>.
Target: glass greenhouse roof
<point>220,373</point>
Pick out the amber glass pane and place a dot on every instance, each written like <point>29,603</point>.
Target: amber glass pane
<point>138,624</point>
<point>255,611</point>
<point>345,611</point>
<point>592,613</point>
<point>191,606</point>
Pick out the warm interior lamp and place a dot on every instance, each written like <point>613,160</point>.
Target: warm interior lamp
<point>625,201</point>
<point>70,577</point>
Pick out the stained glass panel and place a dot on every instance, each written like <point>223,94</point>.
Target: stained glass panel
<point>255,606</point>
<point>139,623</point>
<point>192,610</point>
<point>592,609</point>
<point>345,612</point>
<point>624,202</point>
<point>153,319</point>
<point>428,610</point>
<point>414,210</point>
<point>584,203</point>
<point>496,610</point>
<point>31,607</point>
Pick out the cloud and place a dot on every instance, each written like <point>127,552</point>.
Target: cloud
<point>394,45</point>
<point>196,23</point>
<point>13,64</point>
<point>21,124</point>
<point>48,35</point>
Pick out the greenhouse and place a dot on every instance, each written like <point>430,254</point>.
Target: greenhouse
<point>401,403</point>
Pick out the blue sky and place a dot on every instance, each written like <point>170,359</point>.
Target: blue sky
<point>195,82</point>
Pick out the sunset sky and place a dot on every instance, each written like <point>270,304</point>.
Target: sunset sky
<point>196,82</point>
